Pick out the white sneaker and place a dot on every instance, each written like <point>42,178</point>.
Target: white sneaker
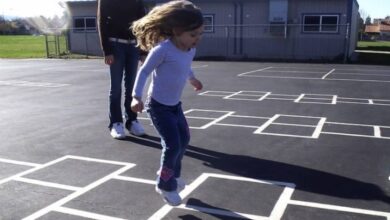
<point>172,198</point>
<point>136,128</point>
<point>117,131</point>
<point>181,184</point>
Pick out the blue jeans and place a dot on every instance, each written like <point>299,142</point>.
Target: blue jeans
<point>125,66</point>
<point>172,127</point>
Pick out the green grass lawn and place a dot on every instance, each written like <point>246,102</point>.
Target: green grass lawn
<point>28,46</point>
<point>25,46</point>
<point>374,45</point>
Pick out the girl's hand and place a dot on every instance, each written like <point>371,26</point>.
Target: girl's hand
<point>196,84</point>
<point>137,105</point>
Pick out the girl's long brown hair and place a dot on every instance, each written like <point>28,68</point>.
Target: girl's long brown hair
<point>159,23</point>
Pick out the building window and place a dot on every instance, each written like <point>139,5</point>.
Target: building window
<point>85,24</point>
<point>320,23</point>
<point>208,23</point>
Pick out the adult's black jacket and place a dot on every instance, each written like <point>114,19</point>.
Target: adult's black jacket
<point>115,18</point>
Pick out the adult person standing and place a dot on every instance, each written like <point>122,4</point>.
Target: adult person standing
<point>120,52</point>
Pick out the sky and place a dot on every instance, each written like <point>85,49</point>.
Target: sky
<point>30,8</point>
<point>373,8</point>
<point>48,8</point>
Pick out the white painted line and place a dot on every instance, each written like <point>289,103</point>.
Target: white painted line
<point>85,214</point>
<point>76,194</point>
<point>253,71</point>
<point>362,125</point>
<point>48,184</point>
<point>334,100</point>
<point>299,98</point>
<point>32,84</point>
<point>202,118</point>
<point>99,160</point>
<point>233,94</point>
<point>311,78</point>
<point>236,125</point>
<point>292,71</point>
<point>197,67</point>
<point>222,212</point>
<point>280,77</point>
<point>204,110</point>
<point>266,124</point>
<point>217,120</point>
<point>317,131</point>
<point>244,116</point>
<point>264,96</point>
<point>281,204</point>
<point>339,208</point>
<point>214,93</point>
<point>133,179</point>
<point>355,135</point>
<point>377,131</point>
<point>19,162</point>
<point>364,74</point>
<point>286,135</point>
<point>295,125</point>
<point>328,73</point>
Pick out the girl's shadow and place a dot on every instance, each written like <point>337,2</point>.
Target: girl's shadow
<point>305,179</point>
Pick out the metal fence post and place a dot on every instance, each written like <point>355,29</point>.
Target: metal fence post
<point>86,43</point>
<point>347,42</point>
<point>47,47</point>
<point>227,41</point>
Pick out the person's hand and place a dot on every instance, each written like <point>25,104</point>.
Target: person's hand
<point>196,84</point>
<point>137,105</point>
<point>109,59</point>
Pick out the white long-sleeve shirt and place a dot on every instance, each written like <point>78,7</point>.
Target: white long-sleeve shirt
<point>170,68</point>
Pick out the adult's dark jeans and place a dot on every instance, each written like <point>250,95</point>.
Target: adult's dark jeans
<point>124,68</point>
<point>172,127</point>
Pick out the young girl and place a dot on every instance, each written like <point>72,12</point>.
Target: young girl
<point>170,33</point>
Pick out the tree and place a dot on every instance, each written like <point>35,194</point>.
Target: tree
<point>368,21</point>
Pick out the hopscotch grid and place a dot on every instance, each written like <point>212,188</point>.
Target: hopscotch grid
<point>313,70</point>
<point>76,194</point>
<point>32,170</point>
<point>77,191</point>
<point>271,121</point>
<point>313,78</point>
<point>277,212</point>
<point>160,214</point>
<point>305,98</point>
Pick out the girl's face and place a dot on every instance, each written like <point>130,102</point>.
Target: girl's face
<point>187,39</point>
